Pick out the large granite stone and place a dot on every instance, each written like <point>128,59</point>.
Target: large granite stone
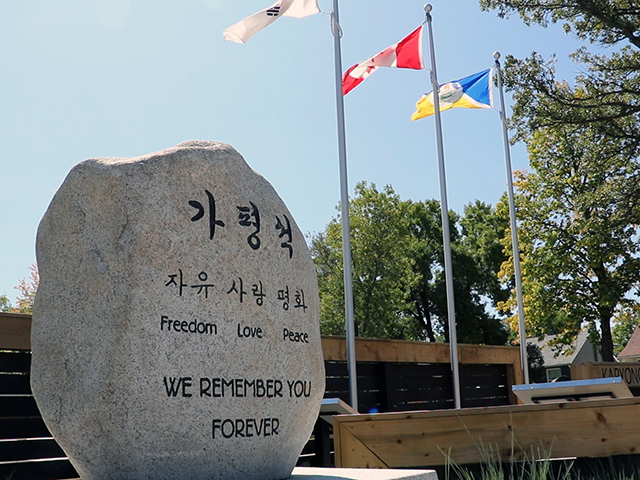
<point>175,329</point>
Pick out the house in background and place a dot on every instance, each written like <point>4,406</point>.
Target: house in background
<point>631,353</point>
<point>560,365</point>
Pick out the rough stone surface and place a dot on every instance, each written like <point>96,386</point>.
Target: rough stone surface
<point>175,329</point>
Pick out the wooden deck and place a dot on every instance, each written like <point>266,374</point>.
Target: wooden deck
<point>424,439</point>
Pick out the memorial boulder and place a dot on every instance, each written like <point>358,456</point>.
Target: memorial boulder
<point>175,329</point>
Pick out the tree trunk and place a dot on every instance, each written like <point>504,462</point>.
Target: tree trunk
<point>605,311</point>
<point>426,315</point>
<point>428,327</point>
<point>606,341</point>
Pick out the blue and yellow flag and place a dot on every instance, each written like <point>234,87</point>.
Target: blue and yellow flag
<point>473,91</point>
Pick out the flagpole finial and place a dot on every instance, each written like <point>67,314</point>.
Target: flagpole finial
<point>428,8</point>
<point>496,55</point>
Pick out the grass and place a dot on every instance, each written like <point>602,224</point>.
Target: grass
<point>610,468</point>
<point>540,466</point>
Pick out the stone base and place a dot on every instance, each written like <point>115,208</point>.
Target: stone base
<point>309,473</point>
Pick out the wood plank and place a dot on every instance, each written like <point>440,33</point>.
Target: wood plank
<point>333,384</point>
<point>14,384</point>
<point>630,372</point>
<point>370,383</point>
<point>18,406</point>
<point>336,369</point>
<point>354,452</point>
<point>418,370</point>
<point>50,470</point>
<point>484,392</point>
<point>425,394</point>
<point>378,350</point>
<point>371,402</point>
<point>582,371</point>
<point>32,427</point>
<point>30,450</point>
<point>484,402</point>
<point>415,405</point>
<point>417,439</point>
<point>15,362</point>
<point>490,354</point>
<point>15,331</point>
<point>481,370</point>
<point>513,376</point>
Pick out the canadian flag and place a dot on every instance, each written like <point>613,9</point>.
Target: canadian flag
<point>407,53</point>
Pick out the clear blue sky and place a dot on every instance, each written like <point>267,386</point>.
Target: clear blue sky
<point>119,78</point>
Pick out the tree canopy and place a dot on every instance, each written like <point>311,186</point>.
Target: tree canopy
<point>5,304</point>
<point>625,323</point>
<point>606,95</point>
<point>581,256</point>
<point>27,295</point>
<point>580,203</point>
<point>382,267</point>
<point>398,274</point>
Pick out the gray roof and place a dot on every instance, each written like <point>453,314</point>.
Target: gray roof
<point>549,355</point>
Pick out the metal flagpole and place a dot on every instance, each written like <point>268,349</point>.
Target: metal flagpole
<point>344,199</point>
<point>514,227</point>
<point>446,239</point>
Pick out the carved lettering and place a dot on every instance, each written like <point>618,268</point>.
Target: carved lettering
<point>184,326</point>
<point>175,385</point>
<point>295,336</point>
<point>249,332</point>
<point>240,387</point>
<point>299,388</point>
<point>244,427</point>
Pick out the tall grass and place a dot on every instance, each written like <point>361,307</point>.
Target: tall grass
<point>610,468</point>
<point>539,466</point>
<point>491,469</point>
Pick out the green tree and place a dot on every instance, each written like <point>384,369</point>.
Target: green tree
<point>484,230</point>
<point>474,247</point>
<point>381,267</point>
<point>606,95</point>
<point>624,324</point>
<point>398,279</point>
<point>579,204</point>
<point>424,300</point>
<point>581,256</point>
<point>5,304</point>
<point>27,289</point>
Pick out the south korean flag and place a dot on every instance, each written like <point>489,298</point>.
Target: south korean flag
<point>247,28</point>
